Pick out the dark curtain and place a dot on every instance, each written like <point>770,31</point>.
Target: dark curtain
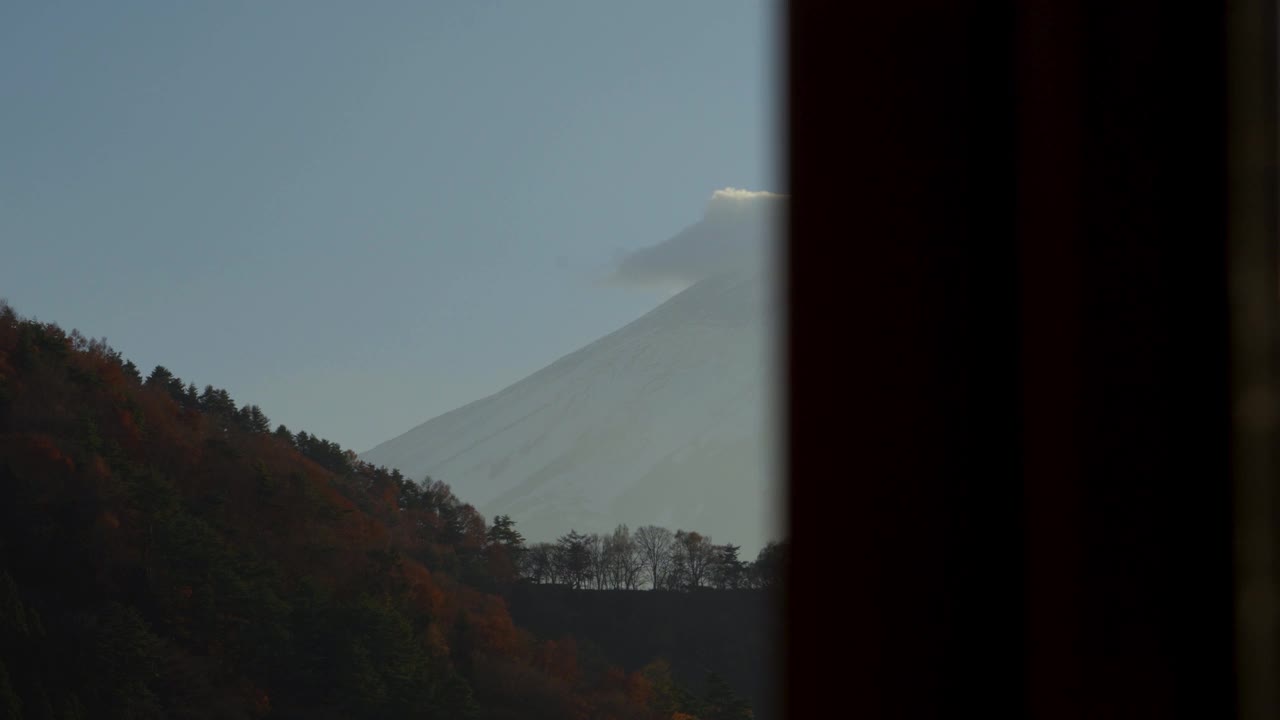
<point>1015,478</point>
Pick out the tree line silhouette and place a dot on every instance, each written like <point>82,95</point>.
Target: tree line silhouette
<point>652,557</point>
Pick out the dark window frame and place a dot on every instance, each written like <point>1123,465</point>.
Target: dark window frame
<point>1026,327</point>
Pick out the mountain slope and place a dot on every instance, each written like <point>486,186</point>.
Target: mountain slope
<point>664,421</point>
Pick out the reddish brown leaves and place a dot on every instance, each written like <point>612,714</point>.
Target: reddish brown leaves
<point>639,689</point>
<point>560,660</point>
<point>108,520</point>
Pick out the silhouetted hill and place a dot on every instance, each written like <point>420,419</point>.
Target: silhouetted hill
<point>165,554</point>
<point>730,632</point>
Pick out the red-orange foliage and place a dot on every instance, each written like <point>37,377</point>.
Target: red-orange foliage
<point>42,452</point>
<point>108,520</point>
<point>497,631</point>
<point>387,494</point>
<point>128,424</point>
<point>560,659</point>
<point>423,590</point>
<point>639,689</point>
<point>613,679</point>
<point>436,642</point>
<point>473,529</point>
<point>519,691</point>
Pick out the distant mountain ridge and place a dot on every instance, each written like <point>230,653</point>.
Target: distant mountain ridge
<point>665,421</point>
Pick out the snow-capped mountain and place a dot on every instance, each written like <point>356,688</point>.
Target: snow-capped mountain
<point>666,421</point>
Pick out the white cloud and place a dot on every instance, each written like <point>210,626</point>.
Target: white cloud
<point>733,204</point>
<point>737,229</point>
<point>731,194</point>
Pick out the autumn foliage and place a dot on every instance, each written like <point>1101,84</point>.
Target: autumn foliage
<point>165,553</point>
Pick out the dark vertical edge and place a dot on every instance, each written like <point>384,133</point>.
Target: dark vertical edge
<point>1049,135</point>
<point>982,481</point>
<point>779,394</point>
<point>793,645</point>
<point>901,306</point>
<point>1156,483</point>
<point>1252,129</point>
<point>1126,366</point>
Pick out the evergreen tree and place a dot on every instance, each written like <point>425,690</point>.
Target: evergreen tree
<point>257,421</point>
<point>574,559</point>
<point>504,533</point>
<point>217,401</point>
<point>720,702</point>
<point>131,371</point>
<point>160,377</point>
<point>727,572</point>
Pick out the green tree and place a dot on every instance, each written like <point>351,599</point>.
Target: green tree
<point>217,401</point>
<point>720,702</point>
<point>727,571</point>
<point>254,420</point>
<point>10,703</point>
<point>160,377</point>
<point>503,532</point>
<point>127,664</point>
<point>669,697</point>
<point>163,379</point>
<point>131,371</point>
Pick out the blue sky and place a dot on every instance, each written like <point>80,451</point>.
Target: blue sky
<point>361,215</point>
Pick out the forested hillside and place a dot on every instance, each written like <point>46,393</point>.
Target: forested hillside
<point>165,553</point>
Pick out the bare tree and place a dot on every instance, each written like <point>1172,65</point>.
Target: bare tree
<point>538,563</point>
<point>597,560</point>
<point>676,578</point>
<point>624,559</point>
<point>618,553</point>
<point>655,544</point>
<point>693,555</point>
<point>770,567</point>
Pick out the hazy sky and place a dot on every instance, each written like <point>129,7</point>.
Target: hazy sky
<point>361,215</point>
